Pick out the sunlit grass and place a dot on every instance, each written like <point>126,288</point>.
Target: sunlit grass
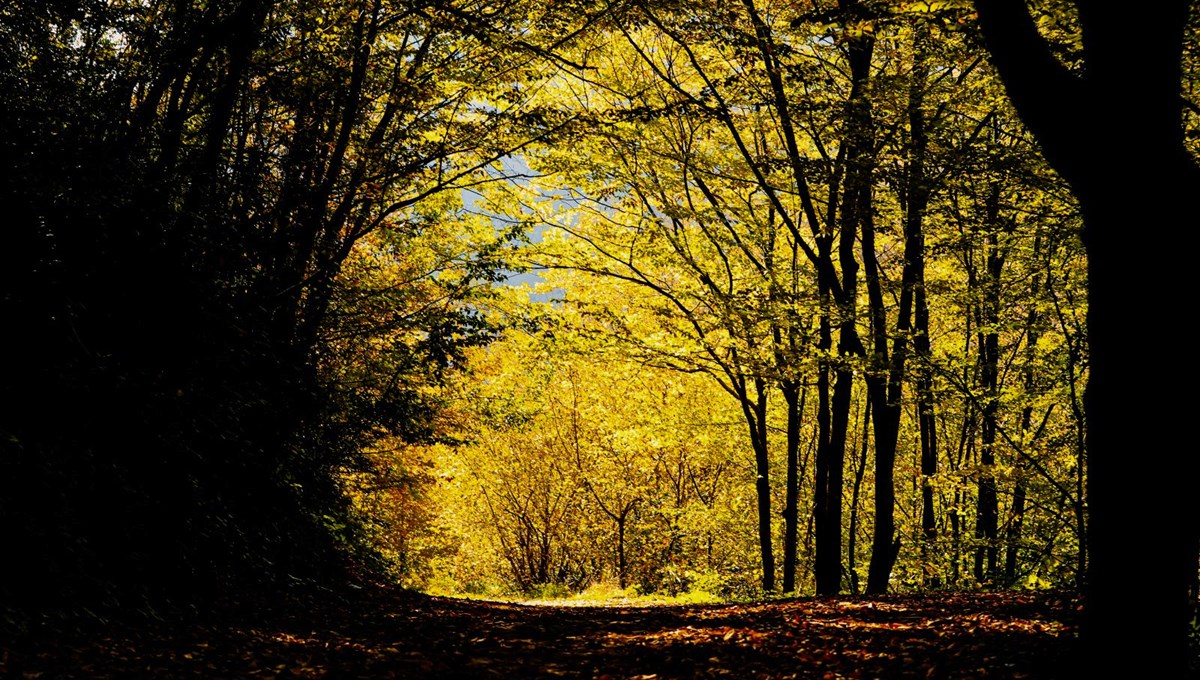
<point>603,594</point>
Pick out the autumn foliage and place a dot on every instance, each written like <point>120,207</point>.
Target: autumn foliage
<point>688,302</point>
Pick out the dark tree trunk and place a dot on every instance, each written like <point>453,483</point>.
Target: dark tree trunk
<point>927,425</point>
<point>1013,535</point>
<point>955,540</point>
<point>917,201</point>
<point>823,551</point>
<point>755,413</point>
<point>885,404</point>
<point>621,580</point>
<point>1128,97</point>
<point>964,454</point>
<point>1017,513</point>
<point>1120,428</point>
<point>855,208</point>
<point>859,473</point>
<point>987,512</point>
<point>829,534</point>
<point>886,384</point>
<point>831,462</point>
<point>884,387</point>
<point>791,510</point>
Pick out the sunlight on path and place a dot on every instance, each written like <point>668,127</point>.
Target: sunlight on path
<point>608,602</point>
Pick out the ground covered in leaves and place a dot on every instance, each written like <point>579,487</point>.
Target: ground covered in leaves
<point>387,633</point>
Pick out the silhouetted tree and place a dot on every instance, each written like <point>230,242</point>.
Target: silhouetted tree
<point>1114,131</point>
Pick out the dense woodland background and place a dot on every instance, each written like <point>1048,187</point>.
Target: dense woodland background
<point>807,309</point>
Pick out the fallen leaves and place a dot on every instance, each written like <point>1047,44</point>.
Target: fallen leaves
<point>389,633</point>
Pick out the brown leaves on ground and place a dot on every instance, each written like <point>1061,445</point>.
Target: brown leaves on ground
<point>394,634</point>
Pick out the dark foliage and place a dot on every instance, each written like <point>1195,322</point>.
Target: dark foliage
<point>166,433</point>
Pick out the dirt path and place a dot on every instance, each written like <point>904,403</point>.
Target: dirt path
<point>392,634</point>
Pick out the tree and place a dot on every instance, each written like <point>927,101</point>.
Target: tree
<point>191,184</point>
<point>679,235</point>
<point>741,164</point>
<point>1133,94</point>
<point>661,226</point>
<point>579,466</point>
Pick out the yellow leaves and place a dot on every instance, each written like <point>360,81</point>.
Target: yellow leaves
<point>437,136</point>
<point>562,429</point>
<point>931,6</point>
<point>859,29</point>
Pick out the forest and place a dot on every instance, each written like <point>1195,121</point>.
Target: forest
<point>869,310</point>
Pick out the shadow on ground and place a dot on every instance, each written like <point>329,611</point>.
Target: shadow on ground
<point>387,633</point>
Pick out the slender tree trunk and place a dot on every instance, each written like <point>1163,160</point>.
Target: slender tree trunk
<point>823,551</point>
<point>1017,513</point>
<point>917,195</point>
<point>955,540</point>
<point>884,387</point>
<point>856,199</point>
<point>809,566</point>
<point>1013,535</point>
<point>886,407</point>
<point>987,507</point>
<point>756,417</point>
<point>621,550</point>
<point>887,393</point>
<point>859,473</point>
<point>964,455</point>
<point>791,511</point>
<point>927,425</point>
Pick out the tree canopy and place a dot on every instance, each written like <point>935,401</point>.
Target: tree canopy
<point>703,300</point>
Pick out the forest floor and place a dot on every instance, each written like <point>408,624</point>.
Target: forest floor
<point>387,633</point>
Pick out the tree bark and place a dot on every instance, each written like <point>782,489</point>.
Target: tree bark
<point>822,551</point>
<point>887,392</point>
<point>917,200</point>
<point>1128,99</point>
<point>856,491</point>
<point>1017,512</point>
<point>856,201</point>
<point>987,510</point>
<point>621,581</point>
<point>791,510</point>
<point>755,413</point>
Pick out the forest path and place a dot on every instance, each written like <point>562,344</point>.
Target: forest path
<point>396,634</point>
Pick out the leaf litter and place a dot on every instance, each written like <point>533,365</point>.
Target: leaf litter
<point>391,633</point>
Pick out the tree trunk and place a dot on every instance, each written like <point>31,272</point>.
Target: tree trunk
<point>1122,425</point>
<point>887,393</point>
<point>1017,513</point>
<point>927,425</point>
<point>886,408</point>
<point>987,506</point>
<point>621,549</point>
<point>791,510</point>
<point>825,559</point>
<point>756,418</point>
<point>859,472</point>
<point>917,194</point>
<point>884,388</point>
<point>1013,536</point>
<point>856,202</point>
<point>1130,98</point>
